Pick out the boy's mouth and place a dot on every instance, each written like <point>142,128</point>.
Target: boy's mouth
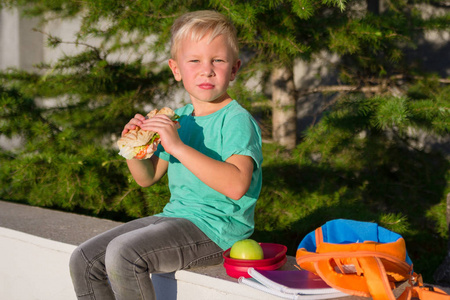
<point>206,86</point>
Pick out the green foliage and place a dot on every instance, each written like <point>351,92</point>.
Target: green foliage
<point>348,166</point>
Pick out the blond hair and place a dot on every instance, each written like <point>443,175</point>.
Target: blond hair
<point>198,24</point>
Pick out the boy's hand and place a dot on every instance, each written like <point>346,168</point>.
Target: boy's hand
<point>133,123</point>
<point>167,130</point>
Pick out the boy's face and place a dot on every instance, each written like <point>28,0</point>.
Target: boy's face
<point>205,69</point>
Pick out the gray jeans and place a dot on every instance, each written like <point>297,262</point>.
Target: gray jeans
<point>117,264</point>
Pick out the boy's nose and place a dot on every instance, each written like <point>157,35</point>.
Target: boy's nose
<point>208,70</point>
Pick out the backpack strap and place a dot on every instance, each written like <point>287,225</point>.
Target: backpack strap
<point>423,293</point>
<point>376,278</point>
<point>419,291</point>
<point>354,264</point>
<point>368,277</point>
<point>374,283</point>
<point>343,282</point>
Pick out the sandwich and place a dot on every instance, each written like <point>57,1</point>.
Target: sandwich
<point>141,144</point>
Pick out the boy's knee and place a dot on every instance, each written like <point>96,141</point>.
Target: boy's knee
<point>80,266</point>
<point>121,256</point>
<point>77,262</point>
<point>79,269</point>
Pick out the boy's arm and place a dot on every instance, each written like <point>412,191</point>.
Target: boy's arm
<point>231,178</point>
<point>146,172</point>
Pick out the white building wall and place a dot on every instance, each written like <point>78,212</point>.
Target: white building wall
<point>66,31</point>
<point>9,39</point>
<point>20,45</point>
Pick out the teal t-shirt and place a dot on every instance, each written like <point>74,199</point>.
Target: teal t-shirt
<point>231,130</point>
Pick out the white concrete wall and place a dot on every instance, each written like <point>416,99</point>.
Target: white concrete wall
<point>34,268</point>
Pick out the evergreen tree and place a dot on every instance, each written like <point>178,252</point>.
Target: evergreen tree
<point>68,159</point>
<point>70,112</point>
<point>372,46</point>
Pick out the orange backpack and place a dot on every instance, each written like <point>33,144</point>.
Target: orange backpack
<point>362,259</point>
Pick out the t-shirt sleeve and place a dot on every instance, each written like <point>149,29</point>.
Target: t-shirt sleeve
<point>242,136</point>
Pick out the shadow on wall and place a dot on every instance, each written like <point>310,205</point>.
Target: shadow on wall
<point>165,286</point>
<point>432,53</point>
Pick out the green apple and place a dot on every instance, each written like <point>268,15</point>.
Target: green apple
<point>246,249</point>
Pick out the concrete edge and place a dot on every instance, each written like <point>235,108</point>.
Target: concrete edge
<point>36,241</point>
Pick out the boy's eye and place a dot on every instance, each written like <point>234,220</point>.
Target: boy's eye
<point>218,60</point>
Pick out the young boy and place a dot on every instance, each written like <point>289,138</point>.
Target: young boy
<point>214,167</point>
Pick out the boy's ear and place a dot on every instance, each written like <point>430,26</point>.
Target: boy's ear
<point>235,69</point>
<point>175,70</point>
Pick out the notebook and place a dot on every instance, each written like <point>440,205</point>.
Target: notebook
<point>294,284</point>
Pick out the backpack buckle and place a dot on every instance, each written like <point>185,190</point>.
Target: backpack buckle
<point>429,287</point>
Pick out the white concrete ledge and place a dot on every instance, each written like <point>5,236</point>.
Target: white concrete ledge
<point>36,244</point>
<point>34,267</point>
<point>37,268</point>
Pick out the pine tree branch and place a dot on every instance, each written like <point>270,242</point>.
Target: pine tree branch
<point>380,86</point>
<point>117,202</point>
<point>56,40</point>
<point>323,108</point>
<point>443,4</point>
<point>377,89</point>
<point>341,88</point>
<point>161,17</point>
<point>440,80</point>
